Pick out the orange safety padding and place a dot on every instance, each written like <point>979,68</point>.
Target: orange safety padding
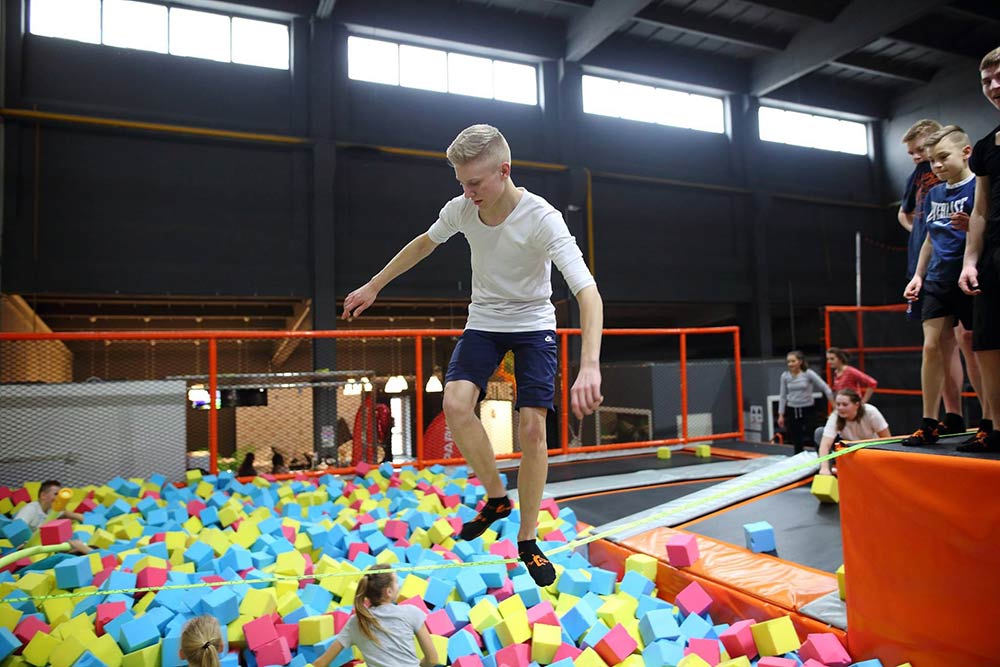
<point>724,453</point>
<point>777,581</point>
<point>730,604</point>
<point>922,567</point>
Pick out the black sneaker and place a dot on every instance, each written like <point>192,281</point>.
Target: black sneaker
<point>922,437</point>
<point>982,443</point>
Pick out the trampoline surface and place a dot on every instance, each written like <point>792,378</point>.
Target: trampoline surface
<point>806,531</point>
<point>565,471</point>
<point>600,508</point>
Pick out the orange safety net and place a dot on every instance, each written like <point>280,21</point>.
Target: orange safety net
<point>743,584</point>
<point>922,567</point>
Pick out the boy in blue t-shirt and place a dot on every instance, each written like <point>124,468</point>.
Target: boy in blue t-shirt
<point>935,282</point>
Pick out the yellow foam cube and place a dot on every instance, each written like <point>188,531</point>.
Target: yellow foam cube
<point>147,657</point>
<point>39,649</point>
<point>228,515</point>
<point>483,615</point>
<point>741,661</point>
<point>36,584</point>
<point>193,525</point>
<point>413,586</point>
<point>33,488</point>
<point>841,583</point>
<point>693,660</point>
<point>564,603</point>
<point>775,637</point>
<point>703,451</point>
<point>67,651</point>
<point>633,660</point>
<point>288,604</point>
<point>643,564</point>
<point>314,629</point>
<point>80,626</point>
<point>419,536</point>
<point>290,564</point>
<point>192,476</point>
<point>440,646</point>
<point>615,607</point>
<point>9,616</point>
<point>663,452</point>
<point>234,631</point>
<point>387,557</point>
<point>186,568</point>
<point>545,641</point>
<point>589,658</point>
<point>825,488</point>
<point>106,649</point>
<point>513,629</point>
<point>149,561</point>
<point>440,531</point>
<point>283,587</point>
<point>259,601</point>
<point>58,610</point>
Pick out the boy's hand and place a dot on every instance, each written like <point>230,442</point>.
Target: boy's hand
<point>969,280</point>
<point>824,468</point>
<point>960,221</point>
<point>358,301</point>
<point>586,393</point>
<point>781,421</point>
<point>912,291</point>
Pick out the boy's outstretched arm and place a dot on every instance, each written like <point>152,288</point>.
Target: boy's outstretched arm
<point>586,392</point>
<point>411,254</point>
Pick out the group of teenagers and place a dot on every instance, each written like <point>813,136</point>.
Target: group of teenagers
<point>951,209</point>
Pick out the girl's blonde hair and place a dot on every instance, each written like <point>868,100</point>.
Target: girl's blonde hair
<point>371,589</point>
<point>201,642</point>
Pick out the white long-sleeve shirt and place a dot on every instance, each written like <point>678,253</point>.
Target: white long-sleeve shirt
<point>512,262</point>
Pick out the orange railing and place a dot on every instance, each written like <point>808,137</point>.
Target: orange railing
<point>860,349</point>
<point>419,335</point>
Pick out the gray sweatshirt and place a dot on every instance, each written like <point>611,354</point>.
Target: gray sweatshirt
<point>797,391</point>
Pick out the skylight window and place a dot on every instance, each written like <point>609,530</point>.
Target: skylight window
<point>379,61</point>
<point>650,104</point>
<point>134,24</point>
<point>803,129</point>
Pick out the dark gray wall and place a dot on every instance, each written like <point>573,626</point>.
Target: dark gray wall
<point>113,210</point>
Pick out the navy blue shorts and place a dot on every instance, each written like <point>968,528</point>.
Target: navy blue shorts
<point>479,353</point>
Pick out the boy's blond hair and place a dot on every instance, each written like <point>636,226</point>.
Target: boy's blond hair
<point>478,142</point>
<point>953,133</point>
<point>991,59</point>
<point>922,127</point>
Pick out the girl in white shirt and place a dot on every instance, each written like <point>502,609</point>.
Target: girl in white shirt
<point>851,420</point>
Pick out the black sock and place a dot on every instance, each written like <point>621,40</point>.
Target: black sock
<point>495,508</point>
<point>539,567</point>
<point>986,425</point>
<point>930,423</point>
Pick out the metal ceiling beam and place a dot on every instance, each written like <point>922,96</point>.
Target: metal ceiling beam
<point>928,37</point>
<point>721,29</point>
<point>978,10</point>
<point>603,19</point>
<point>818,10</point>
<point>324,8</point>
<point>860,23</point>
<point>869,64</point>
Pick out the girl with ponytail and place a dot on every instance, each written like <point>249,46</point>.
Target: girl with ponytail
<point>382,630</point>
<point>201,642</point>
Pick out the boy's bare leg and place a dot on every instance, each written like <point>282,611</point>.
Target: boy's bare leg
<point>932,365</point>
<point>989,366</point>
<point>964,337</point>
<point>953,377</point>
<point>534,469</point>
<point>460,398</point>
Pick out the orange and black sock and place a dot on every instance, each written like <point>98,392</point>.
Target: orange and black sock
<point>495,508</point>
<point>539,567</point>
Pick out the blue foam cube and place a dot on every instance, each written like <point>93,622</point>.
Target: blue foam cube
<point>137,634</point>
<point>759,536</point>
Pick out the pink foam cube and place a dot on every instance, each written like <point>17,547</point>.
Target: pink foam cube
<point>440,623</point>
<point>20,496</point>
<point>396,529</point>
<point>290,631</point>
<point>554,536</point>
<point>260,632</point>
<point>706,649</point>
<point>550,505</point>
<point>825,648</point>
<point>288,532</point>
<point>418,603</point>
<point>617,645</point>
<point>505,549</point>
<point>468,661</point>
<point>29,626</point>
<point>775,661</point>
<point>56,532</point>
<point>106,611</point>
<point>85,505</point>
<point>543,613</point>
<point>195,507</point>
<point>363,468</point>
<point>456,524</point>
<point>475,635</point>
<point>451,501</point>
<point>738,640</point>
<point>503,592</point>
<point>682,550</point>
<point>357,548</point>
<point>515,655</point>
<point>813,663</point>
<point>274,652</point>
<point>566,651</point>
<point>339,620</point>
<point>150,577</point>
<point>693,599</point>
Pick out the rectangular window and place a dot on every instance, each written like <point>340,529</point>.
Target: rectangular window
<point>134,24</point>
<point>803,129</point>
<point>379,61</point>
<point>650,104</point>
<point>79,20</point>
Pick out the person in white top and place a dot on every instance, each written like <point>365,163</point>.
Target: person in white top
<point>852,419</point>
<point>41,511</point>
<point>514,237</point>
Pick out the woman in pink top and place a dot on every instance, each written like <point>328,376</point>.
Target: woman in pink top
<point>849,377</point>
